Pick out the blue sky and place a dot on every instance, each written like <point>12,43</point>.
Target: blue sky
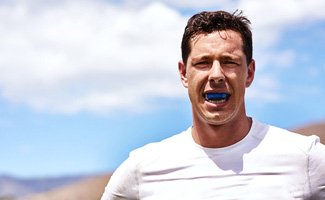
<point>82,83</point>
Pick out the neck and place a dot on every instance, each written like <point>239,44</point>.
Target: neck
<point>217,136</point>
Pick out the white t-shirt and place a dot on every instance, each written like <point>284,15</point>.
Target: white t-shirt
<point>269,163</point>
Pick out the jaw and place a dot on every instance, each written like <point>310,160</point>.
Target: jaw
<point>216,118</point>
<point>211,113</point>
<point>219,113</point>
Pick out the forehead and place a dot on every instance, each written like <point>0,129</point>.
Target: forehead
<point>219,41</point>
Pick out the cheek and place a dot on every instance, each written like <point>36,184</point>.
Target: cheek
<point>237,81</point>
<point>194,78</point>
<point>196,84</point>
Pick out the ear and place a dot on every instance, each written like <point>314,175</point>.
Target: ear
<point>182,73</point>
<point>250,73</point>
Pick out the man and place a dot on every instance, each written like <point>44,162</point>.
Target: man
<point>225,154</point>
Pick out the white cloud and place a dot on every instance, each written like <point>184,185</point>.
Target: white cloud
<point>77,56</point>
<point>71,56</point>
<point>264,89</point>
<point>277,59</point>
<point>182,4</point>
<point>269,18</point>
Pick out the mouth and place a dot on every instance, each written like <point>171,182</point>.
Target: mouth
<point>216,97</point>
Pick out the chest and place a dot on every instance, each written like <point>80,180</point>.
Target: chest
<point>247,176</point>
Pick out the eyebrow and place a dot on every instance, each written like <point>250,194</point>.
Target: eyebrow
<point>230,57</point>
<point>226,56</point>
<point>203,57</point>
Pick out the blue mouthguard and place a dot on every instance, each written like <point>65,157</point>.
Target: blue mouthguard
<point>216,96</point>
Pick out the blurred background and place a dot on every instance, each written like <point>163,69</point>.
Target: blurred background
<point>82,83</point>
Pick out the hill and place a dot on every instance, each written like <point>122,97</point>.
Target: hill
<point>313,129</point>
<point>87,189</point>
<point>12,188</point>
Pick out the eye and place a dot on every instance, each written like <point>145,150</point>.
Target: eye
<point>230,63</point>
<point>202,63</point>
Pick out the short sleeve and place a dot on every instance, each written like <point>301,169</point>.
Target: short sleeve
<point>317,171</point>
<point>123,185</point>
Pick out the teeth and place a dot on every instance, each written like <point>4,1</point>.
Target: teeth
<point>217,101</point>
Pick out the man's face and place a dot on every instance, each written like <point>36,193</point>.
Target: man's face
<point>216,75</point>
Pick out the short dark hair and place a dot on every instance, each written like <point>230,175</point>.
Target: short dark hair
<point>208,22</point>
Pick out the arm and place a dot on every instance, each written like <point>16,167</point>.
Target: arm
<point>317,171</point>
<point>123,184</point>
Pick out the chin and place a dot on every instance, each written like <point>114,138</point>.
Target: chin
<point>217,120</point>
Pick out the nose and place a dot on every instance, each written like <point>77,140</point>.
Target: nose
<point>216,74</point>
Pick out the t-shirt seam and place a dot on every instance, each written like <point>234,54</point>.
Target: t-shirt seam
<point>137,175</point>
<point>308,175</point>
<point>137,181</point>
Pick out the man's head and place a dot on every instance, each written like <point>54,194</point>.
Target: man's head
<point>217,66</point>
<point>208,22</point>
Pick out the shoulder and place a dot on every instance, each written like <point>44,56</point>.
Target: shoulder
<point>124,181</point>
<point>280,137</point>
<point>314,153</point>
